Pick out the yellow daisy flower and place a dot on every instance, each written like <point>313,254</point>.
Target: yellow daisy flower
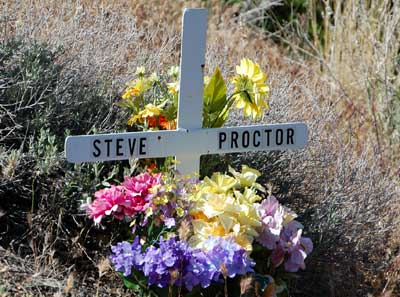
<point>150,110</point>
<point>142,85</point>
<point>129,93</point>
<point>136,88</point>
<point>250,89</point>
<point>173,88</point>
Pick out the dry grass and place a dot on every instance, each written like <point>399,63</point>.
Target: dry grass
<point>362,52</point>
<point>357,45</point>
<point>28,277</point>
<point>349,205</point>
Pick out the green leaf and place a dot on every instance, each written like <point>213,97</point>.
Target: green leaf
<point>220,119</point>
<point>170,112</point>
<point>214,99</point>
<point>215,92</point>
<point>131,105</point>
<point>129,284</point>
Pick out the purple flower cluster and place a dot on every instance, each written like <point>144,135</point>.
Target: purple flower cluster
<point>199,270</point>
<point>175,263</point>
<point>163,265</point>
<point>228,257</point>
<point>126,256</point>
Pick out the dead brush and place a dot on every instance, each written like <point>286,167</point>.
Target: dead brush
<point>356,45</point>
<point>361,51</point>
<point>37,281</point>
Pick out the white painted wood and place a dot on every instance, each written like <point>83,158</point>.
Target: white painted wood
<point>194,28</point>
<point>193,143</point>
<point>190,106</point>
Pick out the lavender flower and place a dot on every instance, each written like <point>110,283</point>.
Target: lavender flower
<point>174,262</point>
<point>127,256</point>
<point>169,259</point>
<point>271,214</point>
<point>199,271</point>
<point>296,247</point>
<point>169,222</point>
<point>228,257</point>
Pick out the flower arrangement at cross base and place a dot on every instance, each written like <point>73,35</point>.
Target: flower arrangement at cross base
<point>189,235</point>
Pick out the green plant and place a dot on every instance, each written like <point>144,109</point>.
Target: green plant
<point>29,77</point>
<point>9,163</point>
<point>3,291</point>
<point>45,152</point>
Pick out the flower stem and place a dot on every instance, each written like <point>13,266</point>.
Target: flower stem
<point>226,108</point>
<point>170,291</point>
<point>226,287</point>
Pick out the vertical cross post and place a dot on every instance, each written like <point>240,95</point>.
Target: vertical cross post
<point>190,106</point>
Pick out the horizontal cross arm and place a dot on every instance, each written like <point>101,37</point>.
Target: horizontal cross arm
<point>185,143</point>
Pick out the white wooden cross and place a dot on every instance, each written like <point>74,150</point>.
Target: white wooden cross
<point>189,141</point>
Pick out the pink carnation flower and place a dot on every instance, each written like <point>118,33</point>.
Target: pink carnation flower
<point>126,200</point>
<point>110,201</point>
<point>141,184</point>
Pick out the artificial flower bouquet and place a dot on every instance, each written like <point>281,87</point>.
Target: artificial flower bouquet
<point>188,236</point>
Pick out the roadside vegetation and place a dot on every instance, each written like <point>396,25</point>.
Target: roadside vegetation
<point>332,64</point>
